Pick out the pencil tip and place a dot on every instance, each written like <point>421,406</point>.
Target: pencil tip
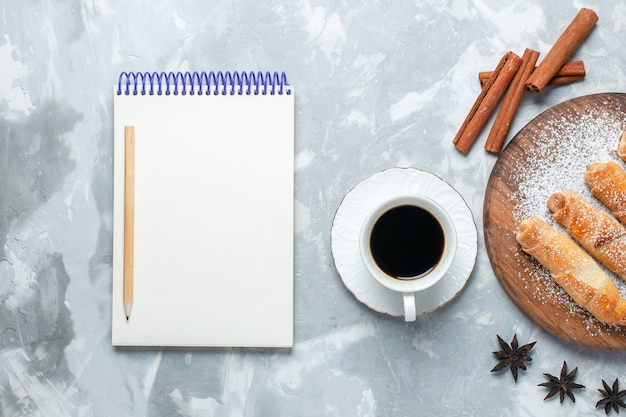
<point>127,307</point>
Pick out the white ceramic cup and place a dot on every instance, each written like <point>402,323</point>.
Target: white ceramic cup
<point>407,286</point>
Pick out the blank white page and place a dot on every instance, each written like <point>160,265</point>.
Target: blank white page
<point>213,252</point>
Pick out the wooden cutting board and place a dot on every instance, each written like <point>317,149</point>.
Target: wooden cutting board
<point>541,299</point>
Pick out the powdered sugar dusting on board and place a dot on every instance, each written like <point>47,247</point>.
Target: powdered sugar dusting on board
<point>564,147</point>
<point>590,138</point>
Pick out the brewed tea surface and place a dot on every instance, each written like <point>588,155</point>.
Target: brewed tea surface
<point>407,242</point>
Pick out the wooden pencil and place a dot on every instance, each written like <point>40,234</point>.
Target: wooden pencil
<point>129,216</point>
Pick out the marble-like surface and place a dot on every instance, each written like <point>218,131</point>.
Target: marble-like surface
<point>379,84</point>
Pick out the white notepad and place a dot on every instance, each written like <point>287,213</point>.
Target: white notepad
<point>214,192</point>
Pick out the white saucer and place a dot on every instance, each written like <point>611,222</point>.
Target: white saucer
<point>346,227</point>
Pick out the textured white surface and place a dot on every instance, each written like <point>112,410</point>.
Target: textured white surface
<point>380,84</point>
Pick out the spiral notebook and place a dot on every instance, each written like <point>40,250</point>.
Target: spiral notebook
<point>211,197</point>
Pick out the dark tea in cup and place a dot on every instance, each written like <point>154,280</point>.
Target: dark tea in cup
<point>407,242</point>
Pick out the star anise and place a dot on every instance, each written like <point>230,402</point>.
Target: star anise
<point>612,397</point>
<point>512,356</point>
<point>563,385</point>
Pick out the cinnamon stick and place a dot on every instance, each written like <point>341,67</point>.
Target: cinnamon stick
<point>569,40</point>
<point>510,103</point>
<point>571,68</point>
<point>486,101</point>
<point>571,71</point>
<point>565,79</point>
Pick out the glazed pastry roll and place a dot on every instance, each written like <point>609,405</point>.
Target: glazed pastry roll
<point>607,182</point>
<point>573,269</point>
<point>621,146</point>
<point>596,230</point>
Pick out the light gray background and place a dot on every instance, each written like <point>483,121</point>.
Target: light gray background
<point>379,84</point>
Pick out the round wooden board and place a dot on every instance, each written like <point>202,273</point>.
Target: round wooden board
<point>511,266</point>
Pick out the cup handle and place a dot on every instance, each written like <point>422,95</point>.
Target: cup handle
<point>409,306</point>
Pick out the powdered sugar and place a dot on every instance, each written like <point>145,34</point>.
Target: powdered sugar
<point>582,140</point>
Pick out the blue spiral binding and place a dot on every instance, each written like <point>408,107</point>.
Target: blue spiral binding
<point>207,83</point>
